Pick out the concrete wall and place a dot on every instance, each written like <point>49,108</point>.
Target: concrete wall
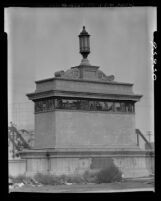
<point>44,130</point>
<point>69,165</point>
<point>37,165</point>
<point>17,167</point>
<point>131,167</point>
<point>93,129</point>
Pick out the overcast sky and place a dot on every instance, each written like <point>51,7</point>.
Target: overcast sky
<point>44,40</point>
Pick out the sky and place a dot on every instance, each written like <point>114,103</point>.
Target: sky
<point>44,40</point>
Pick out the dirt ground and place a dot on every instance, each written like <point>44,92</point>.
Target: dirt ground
<point>142,185</point>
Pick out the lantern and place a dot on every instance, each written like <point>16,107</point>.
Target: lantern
<point>84,43</point>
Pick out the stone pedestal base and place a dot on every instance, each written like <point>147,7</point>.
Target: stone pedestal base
<point>132,163</point>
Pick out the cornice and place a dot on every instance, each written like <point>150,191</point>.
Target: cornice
<point>84,80</point>
<point>50,93</point>
<point>58,153</point>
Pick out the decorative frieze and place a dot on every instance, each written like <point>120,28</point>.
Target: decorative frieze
<point>45,105</point>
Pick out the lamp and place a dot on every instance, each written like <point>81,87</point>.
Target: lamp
<point>84,46</point>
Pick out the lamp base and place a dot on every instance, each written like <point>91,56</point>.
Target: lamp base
<point>85,62</point>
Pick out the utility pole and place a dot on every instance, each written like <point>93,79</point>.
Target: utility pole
<point>149,135</point>
<point>13,137</point>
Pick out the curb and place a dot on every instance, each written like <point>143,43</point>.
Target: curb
<point>122,190</point>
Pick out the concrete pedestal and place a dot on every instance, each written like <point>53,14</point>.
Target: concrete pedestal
<point>132,163</point>
<point>84,120</point>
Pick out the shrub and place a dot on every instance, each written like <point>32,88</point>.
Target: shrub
<point>109,174</point>
<point>71,179</point>
<point>78,179</point>
<point>47,179</point>
<point>89,176</point>
<point>106,175</point>
<point>20,178</point>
